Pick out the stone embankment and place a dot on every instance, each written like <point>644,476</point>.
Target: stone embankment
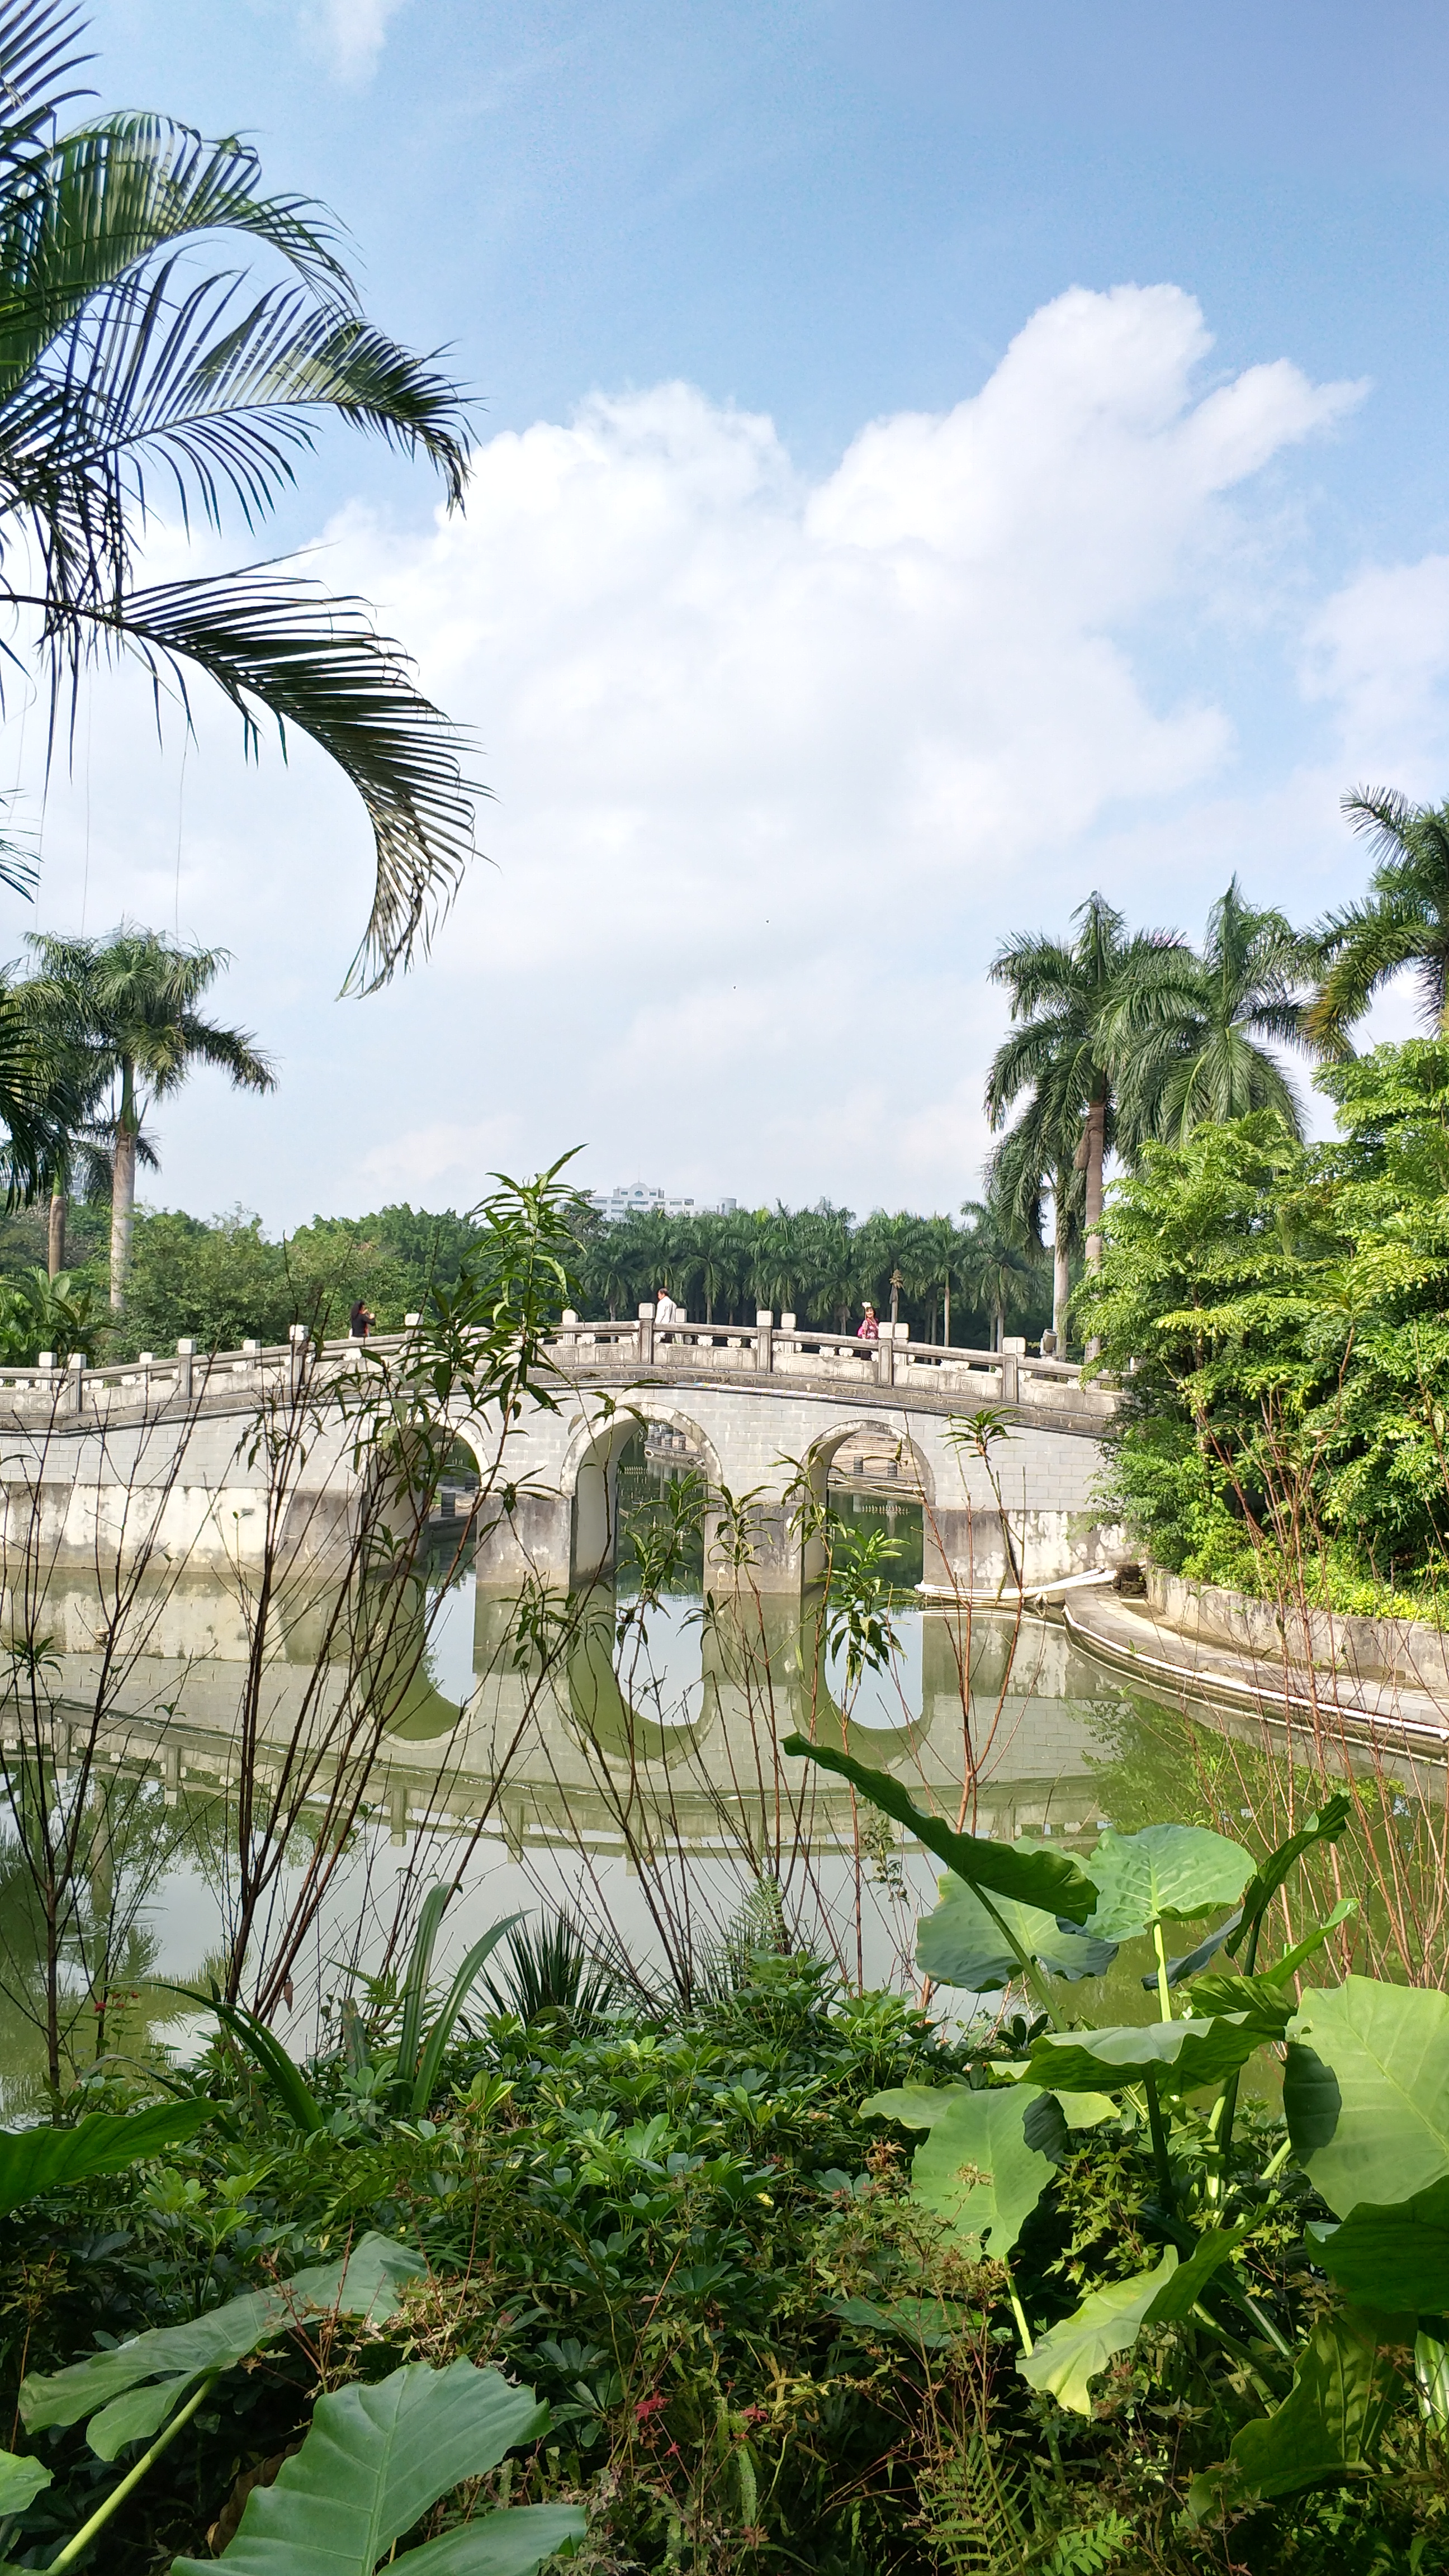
<point>1311,1672</point>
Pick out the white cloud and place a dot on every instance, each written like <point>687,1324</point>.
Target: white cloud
<point>1379,650</point>
<point>350,34</point>
<point>777,763</point>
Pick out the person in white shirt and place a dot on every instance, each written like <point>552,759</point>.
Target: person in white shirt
<point>665,1310</point>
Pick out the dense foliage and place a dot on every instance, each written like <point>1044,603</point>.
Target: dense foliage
<point>1095,2321</point>
<point>1276,1313</point>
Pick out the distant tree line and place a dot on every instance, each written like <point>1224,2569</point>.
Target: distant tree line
<point>967,1280</point>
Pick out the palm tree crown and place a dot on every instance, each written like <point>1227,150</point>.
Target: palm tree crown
<point>124,373</point>
<point>1073,1006</point>
<point>129,1002</point>
<point>1200,1059</point>
<point>1402,922</point>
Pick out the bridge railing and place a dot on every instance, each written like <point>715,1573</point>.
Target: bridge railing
<point>785,1348</point>
<point>771,1348</point>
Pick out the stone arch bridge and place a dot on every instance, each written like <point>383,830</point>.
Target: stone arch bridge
<point>167,1444</point>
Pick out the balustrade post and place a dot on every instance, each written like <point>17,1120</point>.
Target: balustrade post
<point>185,1354</point>
<point>764,1340</point>
<point>885,1356</point>
<point>75,1369</point>
<point>646,1337</point>
<point>1013,1351</point>
<point>298,1336</point>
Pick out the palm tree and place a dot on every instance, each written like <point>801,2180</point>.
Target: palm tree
<point>1037,1158</point>
<point>930,1264</point>
<point>131,1002</point>
<point>121,369</point>
<point>997,1268</point>
<point>1402,922</point>
<point>1074,1029</point>
<point>1200,1061</point>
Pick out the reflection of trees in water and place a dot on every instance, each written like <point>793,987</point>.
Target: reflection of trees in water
<point>88,1975</point>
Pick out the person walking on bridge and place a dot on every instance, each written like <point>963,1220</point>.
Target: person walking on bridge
<point>868,1330</point>
<point>362,1322</point>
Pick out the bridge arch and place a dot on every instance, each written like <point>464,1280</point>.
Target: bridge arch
<point>821,1456</point>
<point>589,1480</point>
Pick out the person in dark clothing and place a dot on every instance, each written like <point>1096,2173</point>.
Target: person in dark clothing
<point>362,1322</point>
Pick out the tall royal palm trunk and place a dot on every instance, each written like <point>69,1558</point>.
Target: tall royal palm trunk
<point>123,1186</point>
<point>1061,1287</point>
<point>1094,1143</point>
<point>948,1310</point>
<point>55,1233</point>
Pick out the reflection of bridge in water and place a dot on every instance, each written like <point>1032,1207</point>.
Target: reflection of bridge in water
<point>610,1749</point>
<point>545,1736</point>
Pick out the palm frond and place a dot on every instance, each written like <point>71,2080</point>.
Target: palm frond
<point>37,57</point>
<point>271,641</point>
<point>110,197</point>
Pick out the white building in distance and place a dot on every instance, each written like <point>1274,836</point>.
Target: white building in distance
<point>641,1198</point>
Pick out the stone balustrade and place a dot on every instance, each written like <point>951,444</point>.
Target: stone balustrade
<point>787,1349</point>
<point>774,1349</point>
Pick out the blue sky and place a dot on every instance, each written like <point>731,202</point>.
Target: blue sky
<point>789,724</point>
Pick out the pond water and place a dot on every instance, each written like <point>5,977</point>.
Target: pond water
<point>634,1778</point>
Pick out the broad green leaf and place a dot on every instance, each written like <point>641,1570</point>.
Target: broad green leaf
<point>109,2386</point>
<point>20,2482</point>
<point>925,2322</point>
<point>1258,1999</point>
<point>1386,2049</point>
<point>960,1945</point>
<point>1183,2054</point>
<point>36,2160</point>
<point>510,2543</point>
<point>376,2457</point>
<point>1078,2110</point>
<point>1265,1993</point>
<point>915,2106</point>
<point>1395,2256</point>
<point>1311,2100</point>
<point>1344,2390</point>
<point>1191,1965</point>
<point>1046,1879</point>
<point>1325,1825</point>
<point>1162,1874</point>
<point>1183,2288</point>
<point>977,2169</point>
<point>1107,2322</point>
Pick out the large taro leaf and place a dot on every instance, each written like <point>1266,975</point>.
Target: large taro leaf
<point>1366,2091</point>
<point>1043,1878</point>
<point>1110,2320</point>
<point>1107,2322</point>
<point>1163,1874</point>
<point>978,2169</point>
<point>1394,2256</point>
<point>36,2160</point>
<point>927,2323</point>
<point>512,2542</point>
<point>915,2106</point>
<point>1184,2055</point>
<point>376,2457</point>
<point>960,1945</point>
<point>1183,2288</point>
<point>1325,1825</point>
<point>20,2482</point>
<point>1345,2387</point>
<point>129,2391</point>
